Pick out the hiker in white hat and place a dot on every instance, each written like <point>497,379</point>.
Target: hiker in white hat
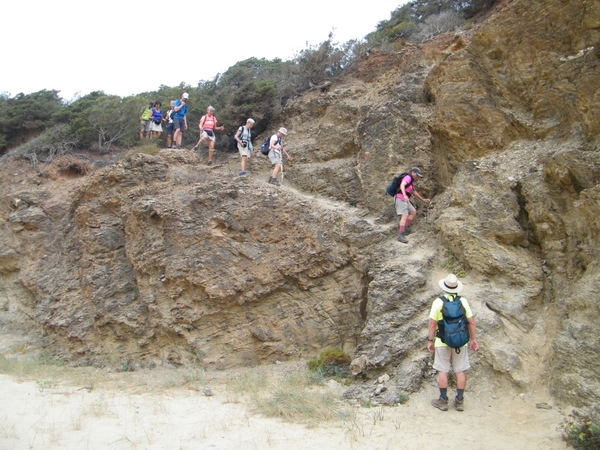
<point>275,150</point>
<point>179,116</point>
<point>451,330</point>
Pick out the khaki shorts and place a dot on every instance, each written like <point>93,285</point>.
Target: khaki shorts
<point>446,357</point>
<point>403,208</point>
<point>274,157</point>
<point>145,125</point>
<point>244,151</point>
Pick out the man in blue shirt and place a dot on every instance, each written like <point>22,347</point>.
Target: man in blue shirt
<point>180,119</point>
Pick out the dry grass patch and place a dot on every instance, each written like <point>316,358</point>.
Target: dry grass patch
<point>299,396</point>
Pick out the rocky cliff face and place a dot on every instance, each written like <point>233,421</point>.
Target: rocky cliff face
<point>158,259</point>
<point>155,259</point>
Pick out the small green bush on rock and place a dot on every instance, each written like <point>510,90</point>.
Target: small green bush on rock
<point>584,433</point>
<point>331,363</point>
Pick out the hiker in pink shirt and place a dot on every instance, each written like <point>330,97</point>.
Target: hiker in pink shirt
<point>404,208</point>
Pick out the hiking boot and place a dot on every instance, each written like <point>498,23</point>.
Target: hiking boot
<point>274,181</point>
<point>459,405</point>
<point>440,404</point>
<point>243,173</point>
<point>402,238</point>
<point>407,230</point>
<point>209,163</point>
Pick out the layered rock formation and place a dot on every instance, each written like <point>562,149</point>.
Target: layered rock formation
<point>154,260</point>
<point>157,259</point>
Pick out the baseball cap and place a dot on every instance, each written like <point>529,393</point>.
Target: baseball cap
<point>282,130</point>
<point>417,171</point>
<point>186,95</point>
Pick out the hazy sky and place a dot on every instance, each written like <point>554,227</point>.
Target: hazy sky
<point>123,47</point>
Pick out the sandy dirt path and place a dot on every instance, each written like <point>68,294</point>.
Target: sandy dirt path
<point>48,415</point>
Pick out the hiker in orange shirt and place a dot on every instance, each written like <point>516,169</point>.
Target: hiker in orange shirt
<point>208,125</point>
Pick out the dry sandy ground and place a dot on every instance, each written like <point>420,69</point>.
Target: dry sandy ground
<point>128,413</point>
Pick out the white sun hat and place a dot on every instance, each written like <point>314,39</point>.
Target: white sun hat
<point>451,284</point>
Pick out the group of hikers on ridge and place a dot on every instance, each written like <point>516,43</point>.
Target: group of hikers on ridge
<point>176,121</point>
<point>402,187</point>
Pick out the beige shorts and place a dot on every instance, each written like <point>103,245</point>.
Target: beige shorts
<point>403,208</point>
<point>244,151</point>
<point>275,157</point>
<point>145,125</point>
<point>446,358</point>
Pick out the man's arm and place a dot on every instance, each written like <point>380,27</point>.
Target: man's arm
<point>431,334</point>
<point>426,200</point>
<point>473,345</point>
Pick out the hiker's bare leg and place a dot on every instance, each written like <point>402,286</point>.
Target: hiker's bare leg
<point>410,219</point>
<point>276,170</point>
<point>211,150</point>
<point>461,380</point>
<point>402,224</point>
<point>443,379</point>
<point>244,162</point>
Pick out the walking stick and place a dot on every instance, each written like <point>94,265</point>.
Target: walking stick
<point>282,171</point>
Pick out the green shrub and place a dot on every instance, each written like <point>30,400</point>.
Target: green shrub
<point>331,363</point>
<point>149,149</point>
<point>55,141</point>
<point>584,433</point>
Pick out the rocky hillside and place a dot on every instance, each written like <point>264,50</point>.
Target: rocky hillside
<point>154,260</point>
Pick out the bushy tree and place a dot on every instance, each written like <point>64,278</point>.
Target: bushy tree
<point>55,141</point>
<point>315,64</point>
<point>25,115</point>
<point>76,116</point>
<point>111,119</point>
<point>404,20</point>
<point>248,88</point>
<point>437,24</point>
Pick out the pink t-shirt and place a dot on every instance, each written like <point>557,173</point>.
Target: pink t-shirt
<point>407,187</point>
<point>208,122</point>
